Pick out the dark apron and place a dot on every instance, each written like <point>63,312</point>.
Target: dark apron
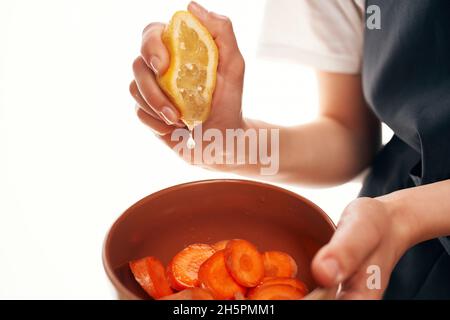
<point>406,78</point>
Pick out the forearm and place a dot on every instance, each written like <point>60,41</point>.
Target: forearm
<point>423,212</point>
<point>323,152</point>
<point>328,151</point>
<point>335,147</point>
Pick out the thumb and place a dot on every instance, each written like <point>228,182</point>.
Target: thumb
<point>221,29</point>
<point>358,235</point>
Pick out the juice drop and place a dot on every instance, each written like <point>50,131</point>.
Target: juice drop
<point>191,142</point>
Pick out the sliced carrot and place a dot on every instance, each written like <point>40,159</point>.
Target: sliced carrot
<point>149,272</point>
<point>239,296</point>
<point>214,276</point>
<point>279,264</point>
<point>190,294</point>
<point>221,245</point>
<point>276,292</point>
<point>183,269</point>
<point>301,286</point>
<point>244,262</point>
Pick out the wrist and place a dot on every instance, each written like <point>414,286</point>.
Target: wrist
<point>403,220</point>
<point>246,124</point>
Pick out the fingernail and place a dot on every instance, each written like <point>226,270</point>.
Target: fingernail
<point>169,115</point>
<point>331,268</point>
<point>180,124</point>
<point>155,64</point>
<point>218,16</point>
<point>198,9</point>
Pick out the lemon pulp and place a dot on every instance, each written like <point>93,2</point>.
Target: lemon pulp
<point>191,77</point>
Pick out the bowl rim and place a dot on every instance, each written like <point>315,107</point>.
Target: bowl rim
<point>123,290</point>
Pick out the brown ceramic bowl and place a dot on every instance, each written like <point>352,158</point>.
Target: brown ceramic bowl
<point>208,211</point>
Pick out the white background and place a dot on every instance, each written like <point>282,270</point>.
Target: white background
<point>73,156</point>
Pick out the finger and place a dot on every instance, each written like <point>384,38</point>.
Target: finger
<point>370,281</point>
<point>134,91</point>
<point>219,26</point>
<point>372,278</point>
<point>157,126</point>
<point>221,29</point>
<point>152,94</point>
<point>357,236</point>
<point>322,294</point>
<point>153,50</point>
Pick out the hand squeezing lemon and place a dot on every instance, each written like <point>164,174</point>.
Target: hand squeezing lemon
<point>190,80</point>
<point>189,71</point>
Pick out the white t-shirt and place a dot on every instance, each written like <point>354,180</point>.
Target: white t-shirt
<point>325,34</point>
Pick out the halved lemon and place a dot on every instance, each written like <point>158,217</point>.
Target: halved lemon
<point>190,79</point>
